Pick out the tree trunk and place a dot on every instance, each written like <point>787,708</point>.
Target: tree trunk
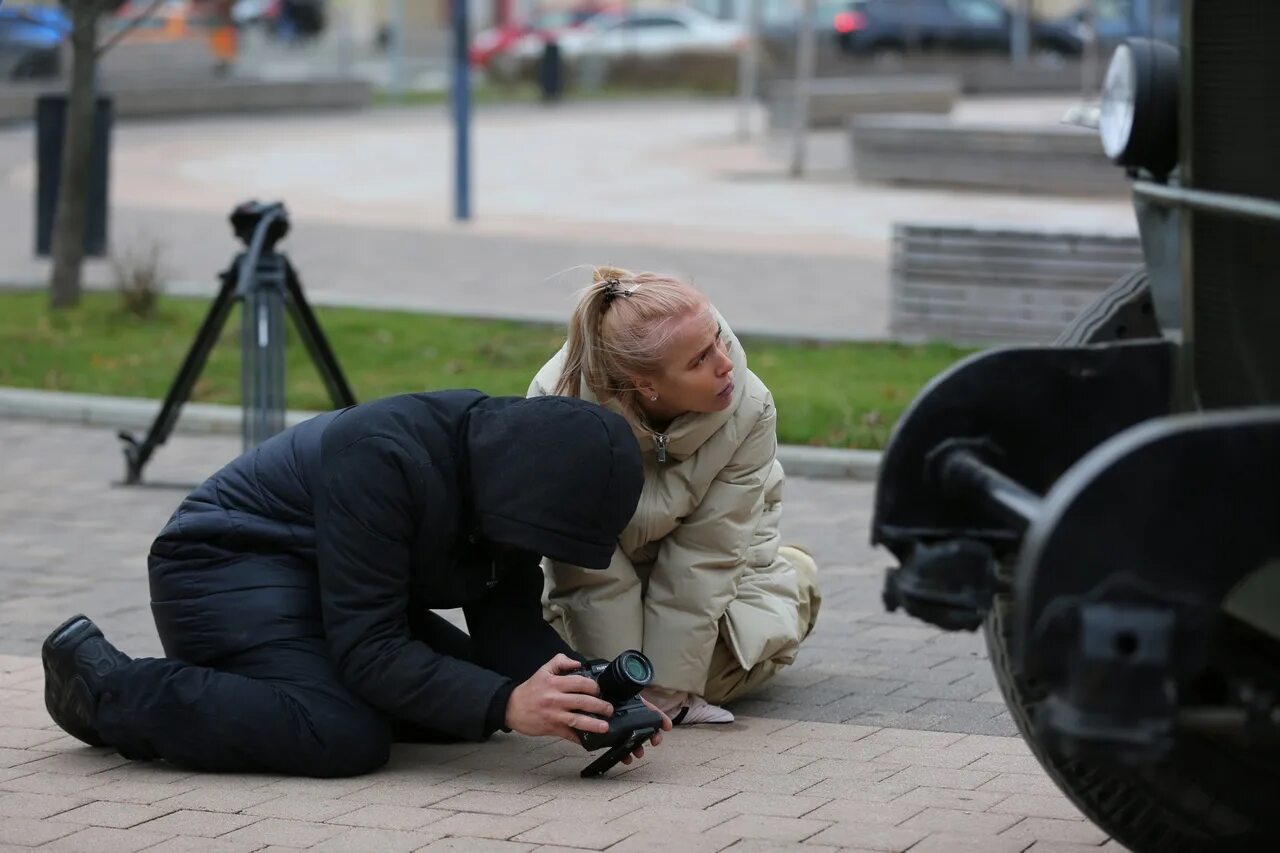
<point>73,187</point>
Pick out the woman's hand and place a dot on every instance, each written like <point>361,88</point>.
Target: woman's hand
<point>657,736</point>
<point>550,703</point>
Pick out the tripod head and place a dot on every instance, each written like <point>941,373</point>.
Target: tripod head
<point>248,215</point>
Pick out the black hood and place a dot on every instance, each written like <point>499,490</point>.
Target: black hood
<point>554,475</point>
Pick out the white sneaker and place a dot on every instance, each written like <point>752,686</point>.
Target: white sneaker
<point>700,711</point>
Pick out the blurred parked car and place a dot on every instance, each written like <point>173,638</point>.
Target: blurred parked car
<point>285,20</point>
<point>779,22</point>
<point>495,41</point>
<point>890,29</point>
<point>31,41</point>
<point>647,32</point>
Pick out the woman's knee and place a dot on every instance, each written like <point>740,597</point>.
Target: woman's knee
<point>810,596</point>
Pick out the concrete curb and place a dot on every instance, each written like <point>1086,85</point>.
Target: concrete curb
<point>136,414</point>
<point>201,98</point>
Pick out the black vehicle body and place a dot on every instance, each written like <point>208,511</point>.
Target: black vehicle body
<point>1107,509</point>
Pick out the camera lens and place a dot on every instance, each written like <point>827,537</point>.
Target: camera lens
<point>625,676</point>
<point>635,669</point>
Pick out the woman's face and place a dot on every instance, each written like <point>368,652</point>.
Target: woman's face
<point>697,373</point>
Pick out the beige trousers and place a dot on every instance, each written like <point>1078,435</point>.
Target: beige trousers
<point>728,680</point>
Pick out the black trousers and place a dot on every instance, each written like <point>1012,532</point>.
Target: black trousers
<point>279,707</point>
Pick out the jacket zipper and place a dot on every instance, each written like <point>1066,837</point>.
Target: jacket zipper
<point>493,574</point>
<point>660,441</point>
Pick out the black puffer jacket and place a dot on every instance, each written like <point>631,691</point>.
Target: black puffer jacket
<point>349,524</point>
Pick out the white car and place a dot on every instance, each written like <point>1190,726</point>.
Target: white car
<point>647,32</point>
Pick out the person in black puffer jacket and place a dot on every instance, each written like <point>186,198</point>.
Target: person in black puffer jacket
<point>293,590</point>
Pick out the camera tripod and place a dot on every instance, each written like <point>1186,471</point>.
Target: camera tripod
<point>264,281</point>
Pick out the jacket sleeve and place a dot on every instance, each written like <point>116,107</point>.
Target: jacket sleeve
<point>508,633</point>
<point>699,564</point>
<point>602,611</point>
<point>368,505</point>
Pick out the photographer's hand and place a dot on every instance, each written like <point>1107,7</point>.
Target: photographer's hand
<point>657,736</point>
<point>553,704</point>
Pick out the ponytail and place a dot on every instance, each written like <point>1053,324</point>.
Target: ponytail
<point>619,330</point>
<point>584,332</point>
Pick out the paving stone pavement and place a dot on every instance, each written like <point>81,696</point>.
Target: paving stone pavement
<point>661,185</point>
<point>885,735</point>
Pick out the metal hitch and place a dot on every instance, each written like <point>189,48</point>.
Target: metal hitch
<point>950,584</point>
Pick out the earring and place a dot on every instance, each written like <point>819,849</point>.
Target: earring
<point>654,398</point>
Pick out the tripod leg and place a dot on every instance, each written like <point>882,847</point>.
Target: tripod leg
<point>316,343</point>
<point>137,453</point>
<point>262,344</point>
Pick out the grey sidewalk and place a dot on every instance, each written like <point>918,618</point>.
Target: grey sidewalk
<point>885,735</point>
<point>73,541</point>
<point>647,185</point>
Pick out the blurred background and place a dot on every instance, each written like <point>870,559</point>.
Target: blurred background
<point>867,188</point>
<point>405,43</point>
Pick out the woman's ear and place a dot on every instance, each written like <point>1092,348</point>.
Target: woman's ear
<point>644,387</point>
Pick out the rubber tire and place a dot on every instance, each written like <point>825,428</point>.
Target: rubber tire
<point>1171,808</point>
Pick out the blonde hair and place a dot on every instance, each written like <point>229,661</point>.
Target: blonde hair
<point>620,329</point>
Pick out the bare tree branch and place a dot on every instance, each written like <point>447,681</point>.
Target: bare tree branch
<point>132,24</point>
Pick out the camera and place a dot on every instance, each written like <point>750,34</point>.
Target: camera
<point>620,681</point>
<point>247,216</point>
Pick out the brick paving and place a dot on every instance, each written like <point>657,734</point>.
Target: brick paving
<point>885,735</point>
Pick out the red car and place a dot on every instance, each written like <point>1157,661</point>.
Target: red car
<point>497,40</point>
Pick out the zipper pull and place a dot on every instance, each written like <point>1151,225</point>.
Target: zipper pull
<point>493,574</point>
<point>660,441</point>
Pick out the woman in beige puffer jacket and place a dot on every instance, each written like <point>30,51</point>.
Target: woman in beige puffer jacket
<point>699,581</point>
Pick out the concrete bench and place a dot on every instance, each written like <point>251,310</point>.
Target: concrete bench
<point>971,285</point>
<point>921,149</point>
<point>978,75</point>
<point>833,101</point>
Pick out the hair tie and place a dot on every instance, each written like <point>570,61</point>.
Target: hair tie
<point>613,289</point>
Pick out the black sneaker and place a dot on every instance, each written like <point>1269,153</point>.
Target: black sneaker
<point>76,658</point>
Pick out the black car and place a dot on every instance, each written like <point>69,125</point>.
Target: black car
<point>890,28</point>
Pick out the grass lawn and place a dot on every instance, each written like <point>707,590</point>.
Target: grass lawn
<point>840,395</point>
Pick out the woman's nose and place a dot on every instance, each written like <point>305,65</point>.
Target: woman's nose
<point>725,364</point>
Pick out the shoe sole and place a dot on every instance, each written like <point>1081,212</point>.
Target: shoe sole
<point>681,719</point>
<point>69,634</point>
<point>60,635</point>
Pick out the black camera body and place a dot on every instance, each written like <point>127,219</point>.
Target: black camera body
<point>620,681</point>
<point>247,216</point>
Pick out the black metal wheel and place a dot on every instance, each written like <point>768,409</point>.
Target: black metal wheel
<point>1208,795</point>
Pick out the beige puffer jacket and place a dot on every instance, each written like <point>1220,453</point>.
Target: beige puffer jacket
<point>699,561</point>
